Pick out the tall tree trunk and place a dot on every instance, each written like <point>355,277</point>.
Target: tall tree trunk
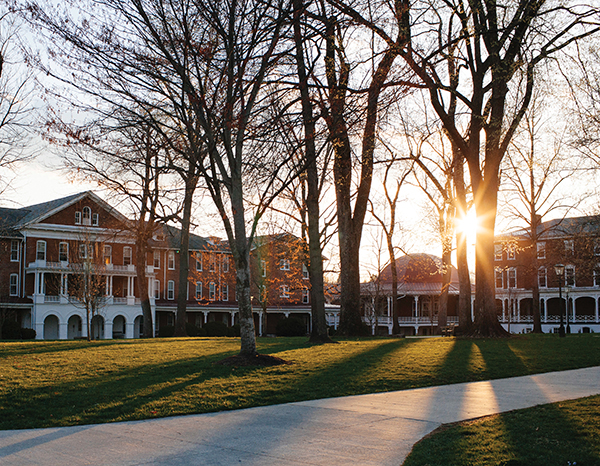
<point>315,266</point>
<point>184,256</point>
<point>241,256</point>
<point>535,288</point>
<point>465,321</point>
<point>141,255</point>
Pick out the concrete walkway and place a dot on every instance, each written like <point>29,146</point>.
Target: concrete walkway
<point>378,429</point>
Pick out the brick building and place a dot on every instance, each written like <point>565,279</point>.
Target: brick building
<point>47,249</point>
<point>520,265</point>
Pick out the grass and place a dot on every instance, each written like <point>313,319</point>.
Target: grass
<point>45,384</point>
<point>566,433</point>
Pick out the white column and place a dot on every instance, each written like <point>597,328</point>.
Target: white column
<point>416,306</point>
<point>545,304</point>
<point>129,327</point>
<point>108,329</point>
<point>596,306</point>
<point>62,330</point>
<point>232,317</point>
<point>260,323</point>
<point>205,316</point>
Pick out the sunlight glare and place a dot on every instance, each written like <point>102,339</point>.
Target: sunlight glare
<point>469,224</point>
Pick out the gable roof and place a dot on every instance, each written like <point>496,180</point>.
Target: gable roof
<point>560,227</point>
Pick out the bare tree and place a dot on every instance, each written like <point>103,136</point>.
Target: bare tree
<point>195,71</point>
<point>534,178</point>
<point>388,226</point>
<point>494,49</point>
<point>15,99</point>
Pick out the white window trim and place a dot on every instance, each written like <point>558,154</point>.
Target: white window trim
<point>95,220</point>
<point>66,251</point>
<point>16,284</point>
<point>37,250</point>
<point>86,219</point>
<point>129,254</point>
<point>570,267</point>
<point>17,250</point>
<point>225,263</point>
<point>284,264</point>
<point>171,259</point>
<point>541,250</point>
<point>156,289</point>
<point>198,287</point>
<point>199,262</point>
<point>156,259</point>
<point>285,291</point>
<point>171,290</point>
<point>497,252</point>
<point>225,292</point>
<point>305,296</point>
<point>78,218</point>
<point>545,275</point>
<point>305,273</point>
<point>510,271</point>
<point>212,291</point>
<point>501,272</point>
<point>107,247</point>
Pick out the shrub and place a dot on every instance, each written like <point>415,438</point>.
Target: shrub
<point>200,332</point>
<point>11,330</point>
<point>28,334</point>
<point>192,330</point>
<point>290,327</point>
<point>166,331</point>
<point>215,329</point>
<point>234,331</point>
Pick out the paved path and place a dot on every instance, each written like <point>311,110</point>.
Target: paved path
<point>378,429</point>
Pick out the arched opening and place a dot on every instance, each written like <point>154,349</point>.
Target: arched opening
<point>585,306</point>
<point>138,327</point>
<point>51,327</point>
<point>555,308</point>
<point>97,327</point>
<point>74,327</point>
<point>118,327</point>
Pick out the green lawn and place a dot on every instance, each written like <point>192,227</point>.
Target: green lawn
<point>46,384</point>
<point>566,433</point>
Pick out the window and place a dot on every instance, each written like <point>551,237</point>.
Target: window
<point>41,251</point>
<point>512,278</point>
<point>225,263</point>
<point>87,216</point>
<point>83,251</point>
<point>95,220</point>
<point>14,250</point>
<point>498,252</point>
<point>77,218</point>
<point>171,290</point>
<point>14,284</point>
<point>199,262</point>
<point>285,291</point>
<point>285,264</point>
<point>127,255</point>
<point>225,292</point>
<point>511,252</point>
<point>499,278</point>
<point>198,290</point>
<point>263,268</point>
<point>156,289</point>
<point>156,262</point>
<point>212,263</point>
<point>171,260</point>
<point>305,275</point>
<point>597,275</point>
<point>63,252</point>
<point>569,246</point>
<point>541,250</point>
<point>107,254</point>
<point>212,291</point>
<point>305,295</point>
<point>570,275</point>
<point>542,277</point>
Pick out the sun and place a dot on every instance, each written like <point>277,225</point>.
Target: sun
<point>469,224</point>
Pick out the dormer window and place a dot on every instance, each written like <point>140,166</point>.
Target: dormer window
<point>87,215</point>
<point>95,220</point>
<point>77,218</point>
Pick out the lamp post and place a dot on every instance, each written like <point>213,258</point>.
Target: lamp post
<point>568,289</point>
<point>559,269</point>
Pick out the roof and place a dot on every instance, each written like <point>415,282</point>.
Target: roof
<point>560,227</point>
<point>417,268</point>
